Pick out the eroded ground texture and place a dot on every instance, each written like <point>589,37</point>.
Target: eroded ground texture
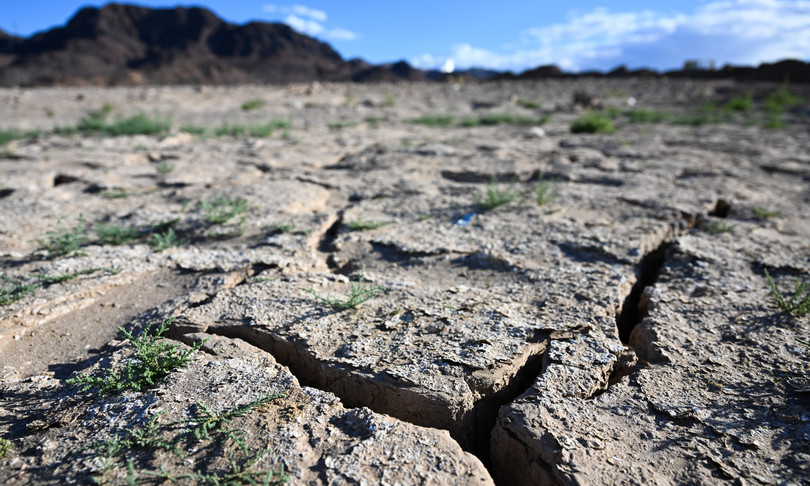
<point>620,329</point>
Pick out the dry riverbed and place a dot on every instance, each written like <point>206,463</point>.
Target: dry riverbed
<point>406,284</point>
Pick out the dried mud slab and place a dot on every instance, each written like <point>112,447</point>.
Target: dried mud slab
<point>311,436</point>
<point>621,332</point>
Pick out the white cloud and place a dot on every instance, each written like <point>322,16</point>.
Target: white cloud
<point>312,13</point>
<point>300,10</point>
<point>305,26</point>
<point>727,31</point>
<point>309,21</point>
<point>341,35</point>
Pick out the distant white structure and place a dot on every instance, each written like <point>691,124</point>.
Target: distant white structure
<point>448,66</point>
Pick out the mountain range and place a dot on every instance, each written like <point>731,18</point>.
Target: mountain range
<point>131,45</point>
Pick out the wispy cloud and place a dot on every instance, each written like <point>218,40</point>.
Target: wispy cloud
<point>727,31</point>
<point>309,21</point>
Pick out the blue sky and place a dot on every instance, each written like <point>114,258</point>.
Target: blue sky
<point>510,35</point>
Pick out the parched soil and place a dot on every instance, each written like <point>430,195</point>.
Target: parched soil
<point>409,284</point>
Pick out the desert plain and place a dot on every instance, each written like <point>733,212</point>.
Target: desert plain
<point>426,283</point>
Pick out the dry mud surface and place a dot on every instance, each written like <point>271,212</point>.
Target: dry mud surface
<point>621,333</point>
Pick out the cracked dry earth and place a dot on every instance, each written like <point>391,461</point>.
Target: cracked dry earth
<point>622,333</point>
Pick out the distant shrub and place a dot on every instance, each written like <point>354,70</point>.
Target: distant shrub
<point>253,104</point>
<point>740,103</point>
<point>645,116</point>
<point>592,123</point>
<point>433,120</point>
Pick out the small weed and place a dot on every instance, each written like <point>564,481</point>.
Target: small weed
<point>144,437</point>
<point>114,193</point>
<point>374,121</point>
<point>153,359</point>
<point>195,130</point>
<point>139,124</point>
<point>592,123</point>
<point>13,290</point>
<point>645,116</point>
<point>49,112</point>
<point>206,421</point>
<point>358,294</point>
<point>798,305</point>
<point>59,241</point>
<point>5,447</point>
<point>261,130</point>
<point>167,239</point>
<point>279,228</point>
<point>781,99</point>
<point>164,168</point>
<point>433,120</point>
<point>222,209</point>
<point>762,213</point>
<point>7,136</point>
<point>504,119</point>
<point>164,226</point>
<point>495,196</point>
<point>239,473</point>
<point>361,224</point>
<point>389,100</point>
<point>52,279</point>
<point>532,105</point>
<point>116,233</point>
<point>341,124</point>
<point>716,227</point>
<point>253,104</point>
<point>739,103</point>
<point>544,193</point>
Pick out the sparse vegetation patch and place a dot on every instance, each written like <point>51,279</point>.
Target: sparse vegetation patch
<point>223,209</point>
<point>153,360</point>
<point>253,104</point>
<point>592,123</point>
<point>798,303</point>
<point>359,293</point>
<point>495,196</point>
<point>61,241</point>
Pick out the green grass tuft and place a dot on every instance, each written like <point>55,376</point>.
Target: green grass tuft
<point>13,290</point>
<point>495,196</point>
<point>139,124</point>
<point>61,241</point>
<point>645,116</point>
<point>762,213</point>
<point>544,192</point>
<point>532,105</point>
<point>153,360</point>
<point>260,130</point>
<point>359,293</point>
<point>798,304</point>
<point>743,103</point>
<point>114,193</point>
<point>504,119</point>
<point>5,447</point>
<point>222,209</point>
<point>433,120</point>
<point>361,224</point>
<point>164,240</point>
<point>116,233</point>
<point>716,227</point>
<point>253,104</point>
<point>593,123</point>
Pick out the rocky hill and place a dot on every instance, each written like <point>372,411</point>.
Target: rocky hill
<point>132,45</point>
